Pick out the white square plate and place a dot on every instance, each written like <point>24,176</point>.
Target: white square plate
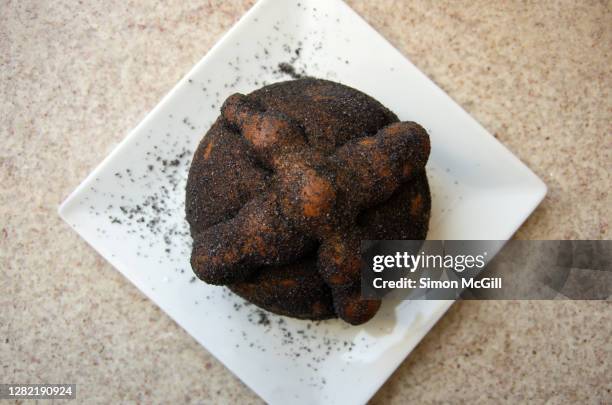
<point>130,208</point>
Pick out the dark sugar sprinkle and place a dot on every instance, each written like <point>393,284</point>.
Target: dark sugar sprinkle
<point>152,218</point>
<point>286,68</point>
<point>307,344</point>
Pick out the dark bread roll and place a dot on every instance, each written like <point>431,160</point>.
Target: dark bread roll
<point>289,180</point>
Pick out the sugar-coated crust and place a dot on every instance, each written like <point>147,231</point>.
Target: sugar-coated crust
<point>286,183</point>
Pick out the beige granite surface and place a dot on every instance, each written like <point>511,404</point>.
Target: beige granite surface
<point>76,76</point>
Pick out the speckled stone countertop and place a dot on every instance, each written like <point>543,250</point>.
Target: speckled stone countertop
<point>75,77</point>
